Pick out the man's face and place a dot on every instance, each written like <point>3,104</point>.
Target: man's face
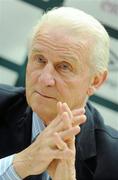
<point>57,70</point>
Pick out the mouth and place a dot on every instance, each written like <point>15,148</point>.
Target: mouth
<point>45,96</point>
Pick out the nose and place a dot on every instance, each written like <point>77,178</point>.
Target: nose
<point>46,76</point>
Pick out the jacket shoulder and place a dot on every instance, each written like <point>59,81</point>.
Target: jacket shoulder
<point>107,153</point>
<point>99,123</point>
<point>10,97</point>
<point>106,140</point>
<point>8,90</point>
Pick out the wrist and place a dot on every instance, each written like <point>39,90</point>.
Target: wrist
<point>20,166</point>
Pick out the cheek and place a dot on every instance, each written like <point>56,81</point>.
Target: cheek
<point>62,85</point>
<point>78,87</point>
<point>32,75</point>
<point>64,89</point>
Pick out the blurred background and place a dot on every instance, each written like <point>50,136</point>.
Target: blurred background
<point>17,17</point>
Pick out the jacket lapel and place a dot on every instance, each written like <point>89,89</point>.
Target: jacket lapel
<point>20,127</point>
<point>86,148</point>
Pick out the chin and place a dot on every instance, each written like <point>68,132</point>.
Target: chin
<point>46,113</point>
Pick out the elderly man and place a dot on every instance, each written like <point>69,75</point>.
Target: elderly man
<point>51,130</point>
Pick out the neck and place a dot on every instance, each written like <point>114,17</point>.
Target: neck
<point>47,119</point>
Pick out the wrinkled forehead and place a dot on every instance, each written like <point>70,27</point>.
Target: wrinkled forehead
<point>56,36</point>
<point>60,39</point>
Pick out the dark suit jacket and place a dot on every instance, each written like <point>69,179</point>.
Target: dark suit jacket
<point>96,145</point>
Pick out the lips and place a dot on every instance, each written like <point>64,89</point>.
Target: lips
<point>45,96</point>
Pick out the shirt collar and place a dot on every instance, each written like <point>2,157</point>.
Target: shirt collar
<point>37,126</point>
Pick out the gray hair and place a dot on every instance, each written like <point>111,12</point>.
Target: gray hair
<point>80,24</point>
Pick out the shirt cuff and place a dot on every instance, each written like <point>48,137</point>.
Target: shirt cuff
<point>7,171</point>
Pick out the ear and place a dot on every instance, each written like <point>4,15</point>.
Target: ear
<point>97,81</point>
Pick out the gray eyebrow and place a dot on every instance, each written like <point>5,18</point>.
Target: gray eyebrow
<point>70,57</point>
<point>73,58</point>
<point>37,50</point>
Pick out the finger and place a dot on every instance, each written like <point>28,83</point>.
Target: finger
<point>69,133</point>
<point>71,143</point>
<point>79,111</point>
<point>59,108</point>
<point>78,120</point>
<point>57,119</point>
<point>59,154</point>
<point>67,109</point>
<point>62,107</point>
<point>66,120</point>
<point>59,143</point>
<point>64,124</point>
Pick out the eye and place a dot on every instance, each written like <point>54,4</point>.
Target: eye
<point>64,67</point>
<point>40,59</point>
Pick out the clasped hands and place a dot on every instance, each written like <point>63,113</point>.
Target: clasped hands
<point>54,148</point>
